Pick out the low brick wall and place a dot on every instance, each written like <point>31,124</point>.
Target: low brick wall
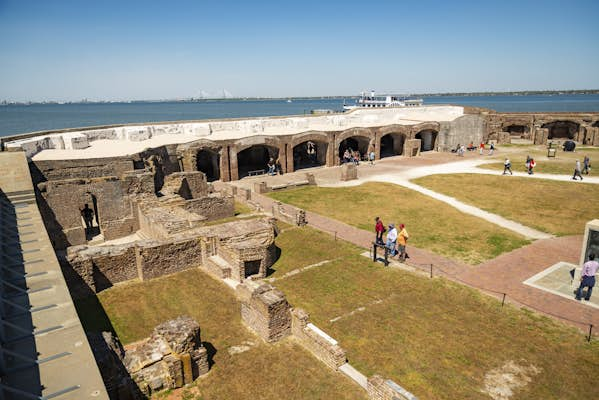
<point>385,389</point>
<point>91,270</point>
<point>322,347</point>
<point>155,260</point>
<point>213,207</point>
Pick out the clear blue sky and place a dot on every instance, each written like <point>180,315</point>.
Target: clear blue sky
<point>68,50</point>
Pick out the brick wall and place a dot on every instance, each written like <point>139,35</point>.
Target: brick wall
<point>166,258</point>
<point>326,351</point>
<point>265,310</point>
<point>214,206</point>
<point>385,389</point>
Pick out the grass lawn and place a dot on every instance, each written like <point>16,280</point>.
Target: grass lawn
<point>294,256</point>
<point>265,371</point>
<point>560,208</point>
<point>432,224</point>
<point>436,338</point>
<point>562,164</point>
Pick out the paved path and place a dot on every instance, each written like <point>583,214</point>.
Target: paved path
<point>504,274</point>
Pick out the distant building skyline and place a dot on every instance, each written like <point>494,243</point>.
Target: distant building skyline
<point>142,50</point>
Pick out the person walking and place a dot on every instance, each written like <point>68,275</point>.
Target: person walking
<point>371,155</point>
<point>587,277</point>
<point>586,165</point>
<point>491,149</point>
<point>402,240</point>
<point>379,228</point>
<point>507,167</point>
<point>577,171</point>
<point>530,164</point>
<point>391,239</point>
<point>481,148</point>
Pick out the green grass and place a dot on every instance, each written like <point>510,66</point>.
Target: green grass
<point>295,256</point>
<point>432,224</point>
<point>560,208</point>
<point>436,338</point>
<point>265,371</point>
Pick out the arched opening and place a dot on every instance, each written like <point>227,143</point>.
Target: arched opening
<point>520,131</point>
<point>562,129</point>
<point>392,144</point>
<point>354,143</point>
<point>208,161</point>
<point>309,154</point>
<point>254,159</point>
<point>428,139</point>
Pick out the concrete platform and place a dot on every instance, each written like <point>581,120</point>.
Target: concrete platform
<point>558,280</point>
<point>44,352</point>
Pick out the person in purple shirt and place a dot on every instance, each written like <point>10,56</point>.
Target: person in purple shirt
<point>587,277</point>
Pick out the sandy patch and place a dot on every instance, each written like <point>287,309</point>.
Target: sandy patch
<point>500,383</point>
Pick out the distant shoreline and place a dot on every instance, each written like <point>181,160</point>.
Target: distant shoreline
<point>200,100</point>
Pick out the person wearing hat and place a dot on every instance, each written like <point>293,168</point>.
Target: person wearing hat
<point>402,240</point>
<point>391,239</point>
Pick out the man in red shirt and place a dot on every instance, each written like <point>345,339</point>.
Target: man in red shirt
<point>380,229</point>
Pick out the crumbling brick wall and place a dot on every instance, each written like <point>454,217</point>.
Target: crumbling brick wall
<point>265,310</point>
<point>171,357</point>
<point>62,201</point>
<point>54,170</point>
<point>322,347</point>
<point>214,206</point>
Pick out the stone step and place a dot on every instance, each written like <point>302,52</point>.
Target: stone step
<point>219,266</point>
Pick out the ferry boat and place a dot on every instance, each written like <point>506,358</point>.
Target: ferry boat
<point>369,100</point>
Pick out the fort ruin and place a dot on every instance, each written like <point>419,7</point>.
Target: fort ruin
<point>166,206</point>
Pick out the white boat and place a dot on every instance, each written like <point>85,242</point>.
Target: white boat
<point>372,100</point>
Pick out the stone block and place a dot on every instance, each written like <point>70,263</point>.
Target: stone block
<point>349,171</point>
<point>75,141</point>
<point>137,134</point>
<point>260,187</point>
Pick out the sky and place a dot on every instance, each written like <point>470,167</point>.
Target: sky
<point>126,50</point>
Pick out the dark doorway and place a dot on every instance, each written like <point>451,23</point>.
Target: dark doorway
<point>392,145</point>
<point>208,161</point>
<point>561,129</point>
<point>354,143</point>
<point>520,131</point>
<point>255,158</point>
<point>428,139</point>
<point>92,228</point>
<point>309,154</point>
<point>251,267</point>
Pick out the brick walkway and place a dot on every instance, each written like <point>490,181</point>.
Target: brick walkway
<point>507,272</point>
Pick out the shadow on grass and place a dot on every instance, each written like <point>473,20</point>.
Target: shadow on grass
<point>272,270</point>
<point>92,315</point>
<point>211,350</point>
